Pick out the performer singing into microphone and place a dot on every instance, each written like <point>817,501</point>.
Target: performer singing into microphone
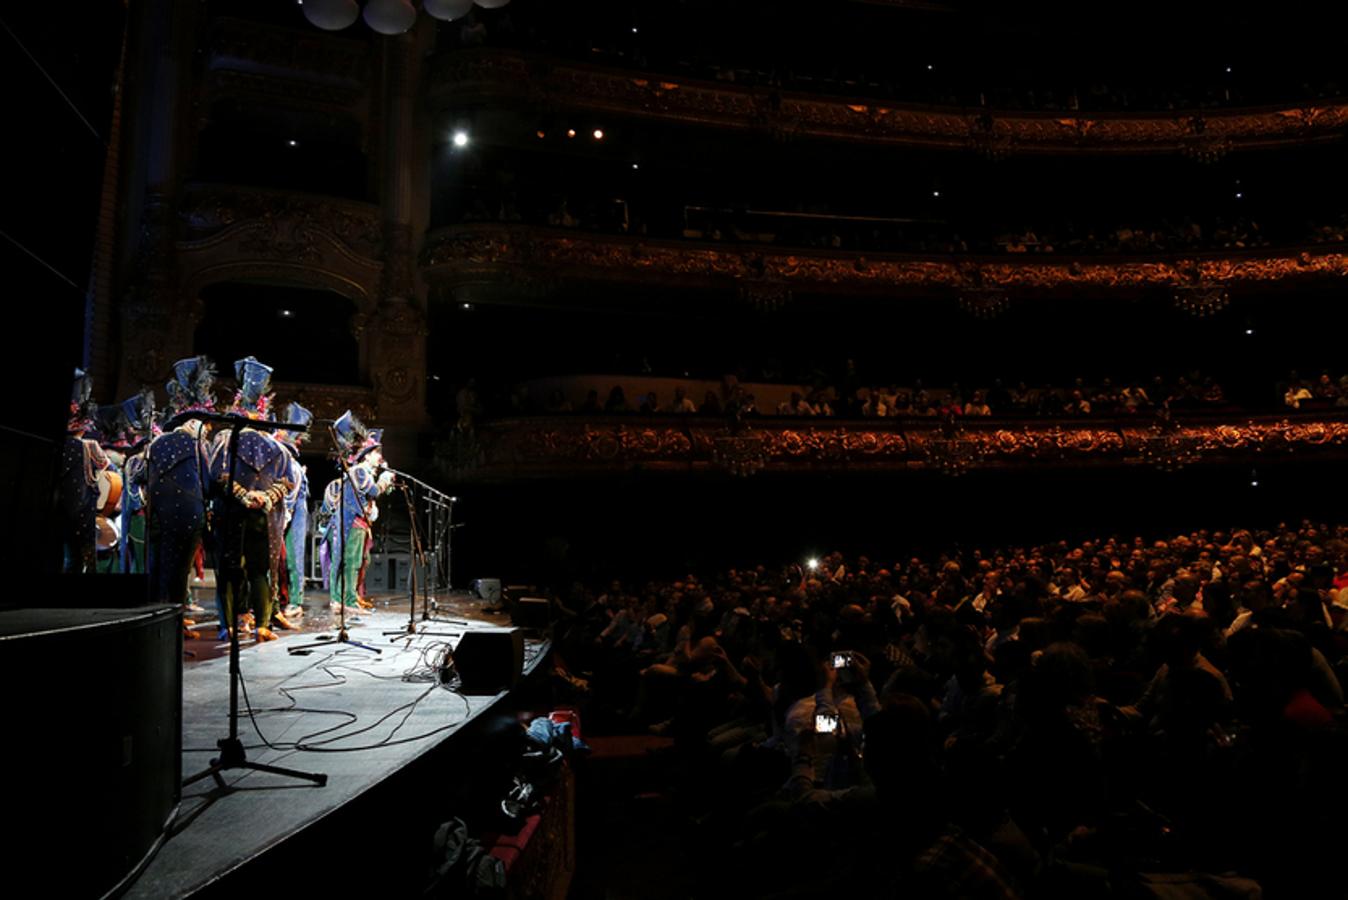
<point>255,524</point>
<point>362,483</point>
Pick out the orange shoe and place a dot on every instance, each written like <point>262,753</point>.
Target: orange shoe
<point>281,622</point>
<point>265,634</point>
<point>190,635</point>
<point>365,602</point>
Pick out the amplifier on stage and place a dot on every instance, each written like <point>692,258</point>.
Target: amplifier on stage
<point>488,589</point>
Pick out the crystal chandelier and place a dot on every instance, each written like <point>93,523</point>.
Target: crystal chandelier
<point>952,453</point>
<point>740,454</point>
<point>1201,300</point>
<point>388,17</point>
<point>1167,448</point>
<point>984,303</point>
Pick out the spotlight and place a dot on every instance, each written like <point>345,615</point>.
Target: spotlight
<point>286,313</point>
<point>466,306</point>
<point>811,563</point>
<point>936,193</point>
<point>1254,478</point>
<point>1249,331</point>
<point>928,67</point>
<point>460,139</point>
<point>598,134</point>
<point>635,166</point>
<point>293,143</point>
<point>1228,70</point>
<point>634,29</point>
<point>570,132</point>
<point>541,134</point>
<point>1239,195</point>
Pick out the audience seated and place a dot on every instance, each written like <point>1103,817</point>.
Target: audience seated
<point>1054,721</point>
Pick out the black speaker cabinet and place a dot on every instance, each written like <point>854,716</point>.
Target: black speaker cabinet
<point>534,613</point>
<point>92,748</point>
<point>489,660</point>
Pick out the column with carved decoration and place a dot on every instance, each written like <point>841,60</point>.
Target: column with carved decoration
<point>396,338</point>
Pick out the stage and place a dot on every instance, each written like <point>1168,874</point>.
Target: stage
<point>373,723</point>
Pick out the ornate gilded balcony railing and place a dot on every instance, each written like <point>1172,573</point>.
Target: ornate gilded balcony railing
<point>485,252</point>
<point>497,76</point>
<point>556,446</point>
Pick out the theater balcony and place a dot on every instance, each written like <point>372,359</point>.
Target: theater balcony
<point>496,77</point>
<point>479,255</point>
<point>552,447</point>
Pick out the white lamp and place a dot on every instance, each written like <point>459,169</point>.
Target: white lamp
<point>447,10</point>
<point>390,17</point>
<point>332,15</point>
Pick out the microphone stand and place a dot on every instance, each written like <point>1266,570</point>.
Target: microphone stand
<point>437,502</point>
<point>232,754</point>
<point>342,636</point>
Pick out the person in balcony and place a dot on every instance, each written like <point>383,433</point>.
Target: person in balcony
<point>795,406</point>
<point>977,405</point>
<point>617,401</point>
<point>681,404</point>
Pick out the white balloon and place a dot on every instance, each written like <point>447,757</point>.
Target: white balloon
<point>491,4</point>
<point>332,15</point>
<point>390,16</point>
<point>447,10</point>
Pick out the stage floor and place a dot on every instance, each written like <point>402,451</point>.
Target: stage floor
<point>354,715</point>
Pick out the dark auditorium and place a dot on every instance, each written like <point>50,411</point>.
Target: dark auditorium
<point>676,450</point>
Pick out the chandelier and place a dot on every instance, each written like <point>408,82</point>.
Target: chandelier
<point>765,296</point>
<point>740,454</point>
<point>1167,448</point>
<point>953,453</point>
<point>388,17</point>
<point>1201,300</point>
<point>984,303</point>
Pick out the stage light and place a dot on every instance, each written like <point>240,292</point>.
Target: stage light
<point>447,10</point>
<point>936,193</point>
<point>1228,70</point>
<point>541,134</point>
<point>491,4</point>
<point>1249,331</point>
<point>460,139</point>
<point>293,143</point>
<point>332,15</point>
<point>634,29</point>
<point>286,313</point>
<point>570,132</point>
<point>466,306</point>
<point>1239,195</point>
<point>928,67</point>
<point>390,17</point>
<point>812,564</point>
<point>1254,478</point>
<point>599,134</point>
<point>635,166</point>
<point>453,499</point>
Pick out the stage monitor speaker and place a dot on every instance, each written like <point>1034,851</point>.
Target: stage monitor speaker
<point>488,589</point>
<point>531,612</point>
<point>489,660</point>
<point>93,705</point>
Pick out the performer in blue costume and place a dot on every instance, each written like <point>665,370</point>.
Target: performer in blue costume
<point>174,483</point>
<point>138,416</point>
<point>251,532</point>
<point>355,508</point>
<point>77,485</point>
<point>297,511</point>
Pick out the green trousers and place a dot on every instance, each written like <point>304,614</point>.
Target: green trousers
<point>353,554</point>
